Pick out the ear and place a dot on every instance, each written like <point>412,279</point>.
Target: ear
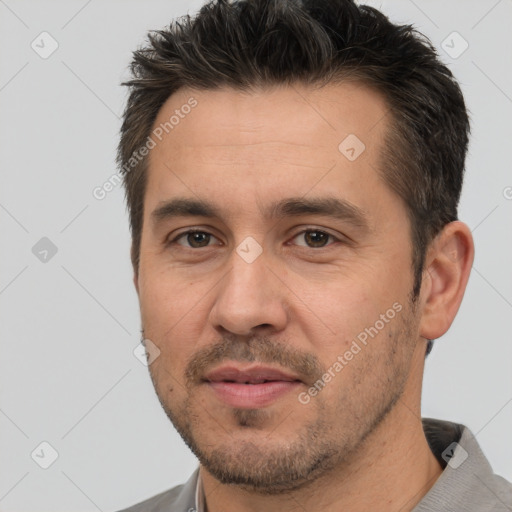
<point>447,267</point>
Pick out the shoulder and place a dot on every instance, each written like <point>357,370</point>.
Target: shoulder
<point>159,503</point>
<point>180,499</point>
<point>468,481</point>
<point>502,489</point>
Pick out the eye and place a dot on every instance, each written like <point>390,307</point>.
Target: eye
<point>194,239</point>
<point>197,239</point>
<point>314,238</point>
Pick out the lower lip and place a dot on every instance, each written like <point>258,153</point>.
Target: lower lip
<point>252,396</point>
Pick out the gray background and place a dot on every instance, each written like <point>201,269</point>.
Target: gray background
<point>69,324</point>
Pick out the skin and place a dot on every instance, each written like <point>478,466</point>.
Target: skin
<point>358,444</point>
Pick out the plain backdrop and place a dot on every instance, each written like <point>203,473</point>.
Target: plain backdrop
<point>69,312</point>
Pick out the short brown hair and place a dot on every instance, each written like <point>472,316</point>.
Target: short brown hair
<point>249,43</point>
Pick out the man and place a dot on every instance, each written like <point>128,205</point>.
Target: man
<point>292,171</point>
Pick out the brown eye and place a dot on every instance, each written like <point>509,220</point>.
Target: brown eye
<point>313,238</point>
<point>316,238</point>
<point>193,239</point>
<point>198,239</point>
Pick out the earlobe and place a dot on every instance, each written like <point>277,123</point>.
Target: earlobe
<point>447,268</point>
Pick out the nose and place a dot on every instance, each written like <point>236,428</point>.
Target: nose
<point>250,298</point>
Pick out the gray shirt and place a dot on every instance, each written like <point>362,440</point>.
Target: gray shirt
<point>467,483</point>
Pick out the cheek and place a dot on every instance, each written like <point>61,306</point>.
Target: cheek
<point>362,367</point>
<point>171,318</point>
<point>351,326</point>
<point>337,311</point>
<point>165,301</point>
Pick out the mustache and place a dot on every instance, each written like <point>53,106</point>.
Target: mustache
<point>260,349</point>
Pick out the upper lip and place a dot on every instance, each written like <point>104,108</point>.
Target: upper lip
<point>253,375</point>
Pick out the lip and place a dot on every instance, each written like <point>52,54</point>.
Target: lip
<point>251,374</point>
<point>252,387</point>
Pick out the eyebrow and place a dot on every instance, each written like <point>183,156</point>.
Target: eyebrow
<point>335,208</point>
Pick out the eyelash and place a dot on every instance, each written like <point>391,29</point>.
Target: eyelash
<point>191,231</point>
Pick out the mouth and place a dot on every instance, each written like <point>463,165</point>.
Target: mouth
<point>252,387</point>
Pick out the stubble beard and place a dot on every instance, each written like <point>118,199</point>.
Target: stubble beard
<point>272,464</point>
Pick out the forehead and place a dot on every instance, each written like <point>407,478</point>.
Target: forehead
<point>233,142</point>
<point>280,113</point>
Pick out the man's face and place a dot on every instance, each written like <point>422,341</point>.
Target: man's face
<point>307,293</point>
